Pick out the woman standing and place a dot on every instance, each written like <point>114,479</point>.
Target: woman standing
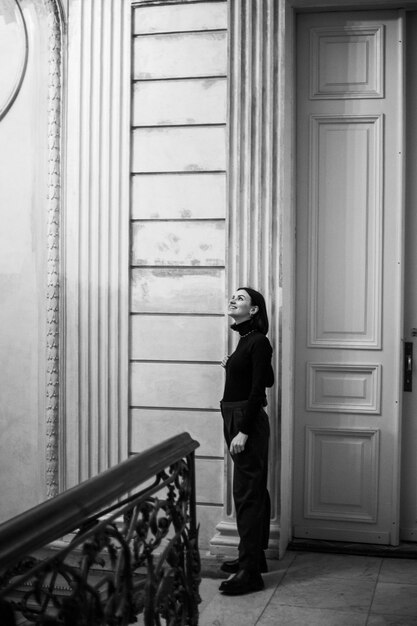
<point>246,430</point>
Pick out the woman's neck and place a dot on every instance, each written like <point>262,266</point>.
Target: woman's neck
<point>243,327</point>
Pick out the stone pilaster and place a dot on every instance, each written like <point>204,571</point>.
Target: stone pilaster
<point>95,238</point>
<point>253,222</point>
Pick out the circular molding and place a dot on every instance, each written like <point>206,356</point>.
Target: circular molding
<point>13,48</point>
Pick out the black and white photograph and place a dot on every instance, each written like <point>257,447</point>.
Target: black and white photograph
<point>208,312</point>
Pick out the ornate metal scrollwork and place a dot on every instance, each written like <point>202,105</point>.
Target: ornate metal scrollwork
<point>138,557</point>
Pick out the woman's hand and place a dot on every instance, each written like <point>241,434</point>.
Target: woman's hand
<point>238,443</point>
<point>225,359</point>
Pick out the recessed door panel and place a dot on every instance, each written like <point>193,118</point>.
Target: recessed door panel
<point>345,230</point>
<point>347,61</point>
<point>350,493</point>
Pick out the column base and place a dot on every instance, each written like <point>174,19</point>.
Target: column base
<point>226,540</point>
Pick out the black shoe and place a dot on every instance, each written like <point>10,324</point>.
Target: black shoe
<point>232,567</point>
<point>243,582</point>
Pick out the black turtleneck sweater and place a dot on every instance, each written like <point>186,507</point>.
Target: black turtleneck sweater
<point>248,372</point>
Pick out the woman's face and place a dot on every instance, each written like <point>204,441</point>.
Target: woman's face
<point>240,306</point>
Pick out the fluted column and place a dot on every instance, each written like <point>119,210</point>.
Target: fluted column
<point>96,238</point>
<point>253,224</point>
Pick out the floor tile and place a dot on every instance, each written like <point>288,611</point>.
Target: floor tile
<point>326,593</point>
<point>299,616</point>
<point>313,565</point>
<point>277,569</point>
<point>395,599</point>
<point>399,571</point>
<point>285,562</point>
<point>240,610</point>
<point>231,610</point>
<point>209,588</point>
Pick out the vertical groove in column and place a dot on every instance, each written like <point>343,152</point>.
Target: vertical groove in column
<point>84,264</point>
<point>123,115</point>
<point>95,115</point>
<point>246,129</point>
<point>118,221</point>
<point>94,240</point>
<point>104,249</point>
<point>266,157</point>
<point>271,248</point>
<point>257,98</point>
<point>234,158</point>
<point>112,257</point>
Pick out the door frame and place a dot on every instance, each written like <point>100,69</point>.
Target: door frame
<point>286,103</point>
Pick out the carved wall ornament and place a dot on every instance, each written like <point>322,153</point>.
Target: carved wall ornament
<point>53,227</point>
<point>13,53</point>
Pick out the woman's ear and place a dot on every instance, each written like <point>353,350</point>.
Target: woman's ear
<point>254,310</point>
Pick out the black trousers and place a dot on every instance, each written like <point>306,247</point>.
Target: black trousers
<point>250,493</point>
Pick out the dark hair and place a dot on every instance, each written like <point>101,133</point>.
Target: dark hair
<point>260,319</point>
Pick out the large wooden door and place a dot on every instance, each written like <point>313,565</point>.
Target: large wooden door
<point>349,268</point>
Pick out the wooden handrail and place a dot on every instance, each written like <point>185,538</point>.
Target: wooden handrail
<point>54,518</point>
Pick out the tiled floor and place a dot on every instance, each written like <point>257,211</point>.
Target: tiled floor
<point>315,589</point>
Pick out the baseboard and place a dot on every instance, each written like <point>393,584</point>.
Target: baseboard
<point>403,551</point>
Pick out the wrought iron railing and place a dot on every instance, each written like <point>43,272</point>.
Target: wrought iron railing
<point>121,547</point>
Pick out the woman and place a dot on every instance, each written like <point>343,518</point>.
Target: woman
<point>246,430</point>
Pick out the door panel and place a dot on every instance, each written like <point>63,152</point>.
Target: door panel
<point>349,245</point>
<point>345,231</point>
